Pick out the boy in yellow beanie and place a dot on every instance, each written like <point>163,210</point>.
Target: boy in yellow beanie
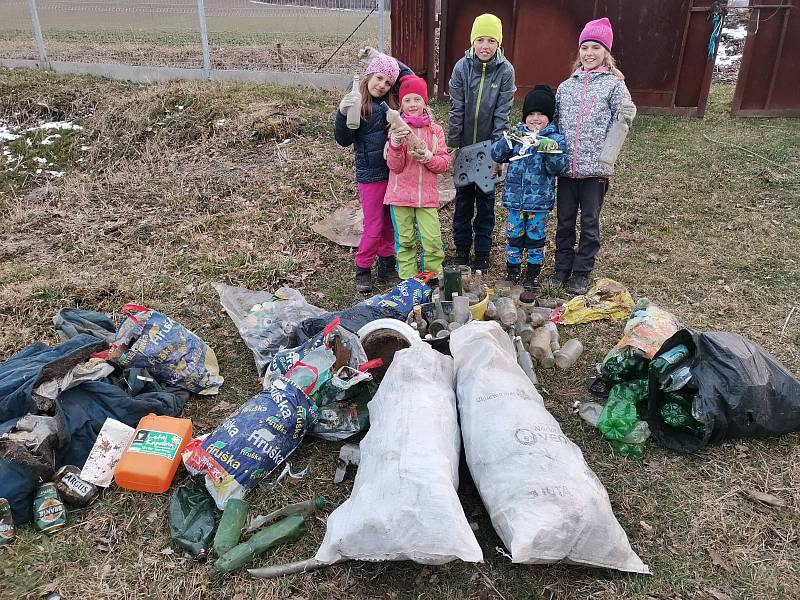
<point>481,92</point>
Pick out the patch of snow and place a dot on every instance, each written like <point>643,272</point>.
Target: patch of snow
<point>724,59</point>
<point>40,160</point>
<point>7,134</point>
<point>56,173</point>
<point>38,171</point>
<point>63,125</point>
<point>179,107</point>
<point>29,142</point>
<point>85,148</point>
<point>50,139</point>
<point>220,122</point>
<point>737,33</point>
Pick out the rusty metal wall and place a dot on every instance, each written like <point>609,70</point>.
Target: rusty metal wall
<point>660,45</point>
<point>769,76</point>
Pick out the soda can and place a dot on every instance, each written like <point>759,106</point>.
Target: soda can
<point>74,490</point>
<point>49,512</point>
<point>6,523</point>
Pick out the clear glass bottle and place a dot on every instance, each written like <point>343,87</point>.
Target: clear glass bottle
<point>354,112</point>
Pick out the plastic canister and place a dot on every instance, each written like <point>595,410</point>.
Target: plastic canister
<point>154,454</point>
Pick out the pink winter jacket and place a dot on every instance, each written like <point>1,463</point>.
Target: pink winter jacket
<point>410,182</point>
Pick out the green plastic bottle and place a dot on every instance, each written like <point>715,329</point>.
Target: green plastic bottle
<point>619,416</point>
<point>231,524</point>
<point>284,531</point>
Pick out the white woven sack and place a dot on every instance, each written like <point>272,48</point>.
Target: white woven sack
<point>404,504</point>
<point>545,502</point>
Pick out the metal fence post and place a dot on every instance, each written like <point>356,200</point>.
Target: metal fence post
<point>201,14</point>
<point>37,33</point>
<point>381,18</point>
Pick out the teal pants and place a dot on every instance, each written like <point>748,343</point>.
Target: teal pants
<point>409,223</point>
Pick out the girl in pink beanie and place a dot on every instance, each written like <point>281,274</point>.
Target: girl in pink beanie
<point>378,84</point>
<point>587,106</point>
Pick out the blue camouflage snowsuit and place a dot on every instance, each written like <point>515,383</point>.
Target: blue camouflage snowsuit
<point>529,194</point>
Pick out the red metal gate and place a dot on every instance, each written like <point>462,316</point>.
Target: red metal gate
<point>661,45</point>
<point>769,79</point>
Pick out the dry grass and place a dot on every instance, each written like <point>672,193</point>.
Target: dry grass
<point>168,200</point>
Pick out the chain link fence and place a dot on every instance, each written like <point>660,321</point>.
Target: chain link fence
<point>289,36</point>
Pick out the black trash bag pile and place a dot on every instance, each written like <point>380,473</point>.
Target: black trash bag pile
<point>737,389</point>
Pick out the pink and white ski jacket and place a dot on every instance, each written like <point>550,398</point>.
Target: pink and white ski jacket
<point>410,182</point>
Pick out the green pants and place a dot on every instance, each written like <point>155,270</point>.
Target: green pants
<point>407,222</point>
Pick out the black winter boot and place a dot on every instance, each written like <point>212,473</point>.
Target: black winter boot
<point>513,272</point>
<point>558,279</point>
<point>532,278</point>
<point>387,270</point>
<point>363,279</point>
<point>531,284</point>
<point>481,262</point>
<point>462,256</point>
<point>579,282</point>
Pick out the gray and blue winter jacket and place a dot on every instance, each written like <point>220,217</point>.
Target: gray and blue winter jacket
<point>529,185</point>
<point>480,99</point>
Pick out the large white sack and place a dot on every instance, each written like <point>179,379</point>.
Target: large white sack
<point>545,502</point>
<point>404,503</point>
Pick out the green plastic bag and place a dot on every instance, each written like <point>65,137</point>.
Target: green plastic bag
<point>191,518</point>
<point>619,416</point>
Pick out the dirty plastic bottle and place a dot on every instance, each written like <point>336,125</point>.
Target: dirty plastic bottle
<point>506,311</point>
<point>491,310</point>
<point>540,347</point>
<point>154,454</point>
<point>419,321</point>
<point>569,354</point>
<point>231,524</point>
<point>524,360</point>
<point>466,278</point>
<point>523,329</point>
<point>284,531</point>
<point>668,359</point>
<point>555,342</point>
<point>354,112</point>
<point>460,309</point>
<point>614,141</point>
<point>477,283</point>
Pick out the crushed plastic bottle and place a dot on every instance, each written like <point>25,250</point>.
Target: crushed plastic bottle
<point>619,417</point>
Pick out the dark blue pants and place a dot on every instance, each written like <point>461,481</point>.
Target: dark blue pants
<point>586,195</point>
<point>471,202</point>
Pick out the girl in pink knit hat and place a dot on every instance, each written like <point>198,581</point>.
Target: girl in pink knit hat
<point>379,83</point>
<point>587,106</point>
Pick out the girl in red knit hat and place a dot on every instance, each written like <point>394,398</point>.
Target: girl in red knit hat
<point>416,155</point>
<point>587,105</point>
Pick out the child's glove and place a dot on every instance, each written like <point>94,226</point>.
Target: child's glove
<point>628,111</point>
<point>368,53</point>
<point>396,136</point>
<point>422,157</point>
<point>546,145</point>
<point>350,99</point>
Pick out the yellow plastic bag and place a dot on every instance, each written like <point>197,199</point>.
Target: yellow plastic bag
<point>607,299</point>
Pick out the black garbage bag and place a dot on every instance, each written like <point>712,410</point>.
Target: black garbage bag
<point>742,391</point>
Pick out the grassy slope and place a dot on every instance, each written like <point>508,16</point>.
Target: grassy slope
<point>166,201</point>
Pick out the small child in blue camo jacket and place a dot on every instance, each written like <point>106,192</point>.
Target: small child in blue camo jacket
<point>529,192</point>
